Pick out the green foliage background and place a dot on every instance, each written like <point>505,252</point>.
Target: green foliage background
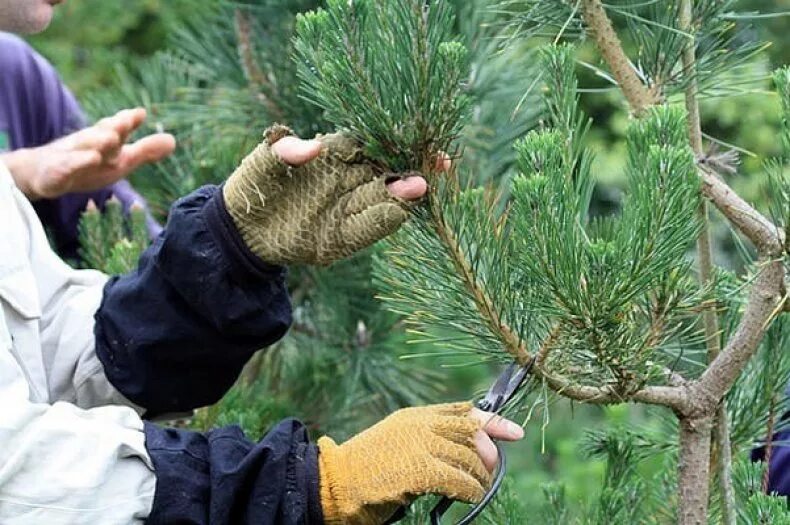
<point>91,37</point>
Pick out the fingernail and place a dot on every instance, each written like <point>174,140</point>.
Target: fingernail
<point>515,430</point>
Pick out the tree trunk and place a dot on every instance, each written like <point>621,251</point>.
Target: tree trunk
<point>694,474</point>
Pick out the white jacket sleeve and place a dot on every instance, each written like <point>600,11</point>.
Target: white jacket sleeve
<point>59,463</point>
<point>56,305</point>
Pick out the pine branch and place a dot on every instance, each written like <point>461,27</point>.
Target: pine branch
<point>763,306</point>
<point>750,222</point>
<point>91,236</point>
<point>638,95</point>
<point>257,78</point>
<point>512,342</point>
<point>765,296</point>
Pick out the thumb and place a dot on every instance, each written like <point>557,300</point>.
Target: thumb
<point>295,151</point>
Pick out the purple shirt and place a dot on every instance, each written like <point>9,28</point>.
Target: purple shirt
<point>35,109</point>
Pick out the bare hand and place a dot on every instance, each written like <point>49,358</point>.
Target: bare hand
<point>89,159</point>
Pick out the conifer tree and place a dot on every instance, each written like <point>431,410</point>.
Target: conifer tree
<point>503,261</point>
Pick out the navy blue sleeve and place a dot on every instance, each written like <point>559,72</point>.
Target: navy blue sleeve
<point>779,464</point>
<point>222,478</point>
<point>175,334</point>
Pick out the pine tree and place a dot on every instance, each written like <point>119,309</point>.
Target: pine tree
<point>504,260</point>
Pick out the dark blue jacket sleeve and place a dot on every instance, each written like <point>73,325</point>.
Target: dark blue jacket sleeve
<point>175,334</point>
<point>222,478</point>
<point>779,464</point>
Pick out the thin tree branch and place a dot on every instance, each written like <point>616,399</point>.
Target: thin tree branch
<point>763,306</point>
<point>512,342</point>
<point>767,237</point>
<point>769,443</point>
<point>639,96</point>
<point>255,75</point>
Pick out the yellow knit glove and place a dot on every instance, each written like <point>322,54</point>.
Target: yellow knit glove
<point>317,213</point>
<point>415,451</point>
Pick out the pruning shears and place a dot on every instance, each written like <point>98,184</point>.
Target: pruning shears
<point>498,396</point>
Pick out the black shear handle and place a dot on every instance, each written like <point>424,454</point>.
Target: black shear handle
<point>445,503</point>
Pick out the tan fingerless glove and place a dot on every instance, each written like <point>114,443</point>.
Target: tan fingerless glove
<point>317,213</point>
<point>415,451</point>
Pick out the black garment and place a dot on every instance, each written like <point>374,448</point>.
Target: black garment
<point>221,478</point>
<point>173,336</point>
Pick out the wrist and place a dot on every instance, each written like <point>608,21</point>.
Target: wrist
<point>21,165</point>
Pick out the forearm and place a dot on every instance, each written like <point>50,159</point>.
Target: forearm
<point>175,334</point>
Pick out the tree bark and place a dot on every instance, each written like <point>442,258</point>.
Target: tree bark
<point>639,96</point>
<point>694,474</point>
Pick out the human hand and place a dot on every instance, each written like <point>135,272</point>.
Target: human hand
<point>440,449</point>
<point>87,160</point>
<point>316,201</point>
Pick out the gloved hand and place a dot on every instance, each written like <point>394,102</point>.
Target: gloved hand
<point>315,213</point>
<point>440,449</point>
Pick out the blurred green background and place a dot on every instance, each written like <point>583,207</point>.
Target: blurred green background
<point>89,38</point>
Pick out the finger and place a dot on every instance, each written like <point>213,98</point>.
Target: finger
<point>80,160</point>
<point>368,195</point>
<point>373,224</point>
<point>469,460</point>
<point>498,427</point>
<point>443,162</point>
<point>93,138</point>
<point>295,151</point>
<point>453,483</point>
<point>152,148</point>
<point>489,455</point>
<point>124,122</point>
<point>459,409</point>
<point>410,188</point>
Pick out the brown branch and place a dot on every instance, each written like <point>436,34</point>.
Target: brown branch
<point>639,96</point>
<point>255,75</point>
<point>762,307</point>
<point>513,343</point>
<point>767,237</point>
<point>769,443</point>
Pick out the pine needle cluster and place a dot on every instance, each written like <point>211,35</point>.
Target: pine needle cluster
<point>112,241</point>
<point>389,73</point>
